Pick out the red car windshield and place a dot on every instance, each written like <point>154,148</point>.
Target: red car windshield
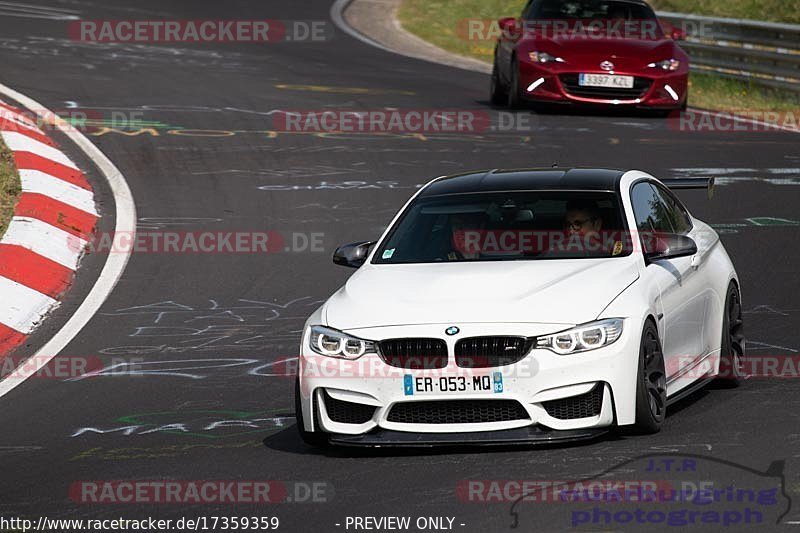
<point>589,9</point>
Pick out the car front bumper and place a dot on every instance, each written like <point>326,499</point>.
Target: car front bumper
<point>654,89</point>
<point>543,388</point>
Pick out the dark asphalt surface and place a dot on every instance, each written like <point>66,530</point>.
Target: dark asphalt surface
<point>228,316</point>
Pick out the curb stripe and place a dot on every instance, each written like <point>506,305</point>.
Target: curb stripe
<point>19,114</point>
<point>7,125</point>
<point>9,338</point>
<point>62,216</point>
<point>17,142</point>
<point>39,182</point>
<point>34,271</point>
<point>22,308</point>
<point>53,220</point>
<point>44,239</point>
<point>20,120</point>
<point>31,161</point>
<point>115,263</point>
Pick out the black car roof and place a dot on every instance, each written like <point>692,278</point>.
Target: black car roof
<point>579,179</point>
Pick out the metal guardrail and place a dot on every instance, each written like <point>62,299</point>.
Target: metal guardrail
<point>766,53</point>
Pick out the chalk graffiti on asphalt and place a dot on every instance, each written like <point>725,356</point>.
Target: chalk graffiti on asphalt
<point>196,369</point>
<point>206,424</point>
<point>171,326</point>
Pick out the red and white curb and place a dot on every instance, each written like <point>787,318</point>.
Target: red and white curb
<point>52,223</point>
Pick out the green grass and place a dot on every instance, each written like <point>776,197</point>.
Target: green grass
<point>771,10</point>
<point>9,187</point>
<point>713,92</point>
<point>443,23</point>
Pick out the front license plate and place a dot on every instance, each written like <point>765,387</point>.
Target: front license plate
<point>490,383</point>
<point>605,80</point>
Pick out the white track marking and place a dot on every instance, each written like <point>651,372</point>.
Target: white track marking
<point>19,142</point>
<point>337,15</point>
<point>22,308</point>
<point>17,9</point>
<point>115,263</point>
<point>39,182</point>
<point>48,241</point>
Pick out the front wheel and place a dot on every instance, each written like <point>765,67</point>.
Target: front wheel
<point>731,362</point>
<point>514,97</point>
<point>497,93</point>
<point>651,383</point>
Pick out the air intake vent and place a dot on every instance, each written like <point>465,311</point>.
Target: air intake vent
<point>457,412</point>
<point>347,412</point>
<point>583,406</point>
<point>640,87</point>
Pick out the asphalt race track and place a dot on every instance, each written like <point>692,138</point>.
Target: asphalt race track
<point>210,327</point>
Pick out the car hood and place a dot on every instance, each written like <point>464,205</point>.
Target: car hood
<point>625,52</point>
<point>538,291</point>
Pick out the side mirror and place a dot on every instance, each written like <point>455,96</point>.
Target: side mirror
<point>509,27</point>
<point>669,246</point>
<point>678,34</point>
<point>352,255</point>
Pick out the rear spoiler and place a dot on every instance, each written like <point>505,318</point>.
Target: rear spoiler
<point>691,183</point>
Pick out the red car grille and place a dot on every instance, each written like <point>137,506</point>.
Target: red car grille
<point>640,87</point>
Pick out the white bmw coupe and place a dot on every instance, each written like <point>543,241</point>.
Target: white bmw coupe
<point>522,306</point>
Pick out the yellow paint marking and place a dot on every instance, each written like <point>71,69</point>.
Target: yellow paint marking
<point>340,90</point>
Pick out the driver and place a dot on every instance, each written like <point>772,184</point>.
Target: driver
<point>582,225</point>
<point>467,231</point>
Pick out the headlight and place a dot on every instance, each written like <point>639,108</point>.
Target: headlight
<point>333,343</point>
<point>543,57</point>
<point>583,338</point>
<point>667,64</point>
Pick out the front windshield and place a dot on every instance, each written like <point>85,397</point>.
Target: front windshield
<point>589,9</point>
<point>517,225</point>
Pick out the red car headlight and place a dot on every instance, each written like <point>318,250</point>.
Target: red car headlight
<point>544,57</point>
<point>669,65</point>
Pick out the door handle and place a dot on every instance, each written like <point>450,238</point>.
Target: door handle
<point>696,260</point>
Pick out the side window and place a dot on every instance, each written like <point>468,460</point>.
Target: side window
<point>677,213</point>
<point>649,209</point>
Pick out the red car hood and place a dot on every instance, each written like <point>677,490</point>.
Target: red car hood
<point>589,52</point>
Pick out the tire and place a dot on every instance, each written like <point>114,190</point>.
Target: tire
<point>514,98</point>
<point>498,95</point>
<point>732,346</point>
<point>651,383</point>
<point>313,438</point>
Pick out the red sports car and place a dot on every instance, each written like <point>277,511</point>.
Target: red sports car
<point>595,52</point>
